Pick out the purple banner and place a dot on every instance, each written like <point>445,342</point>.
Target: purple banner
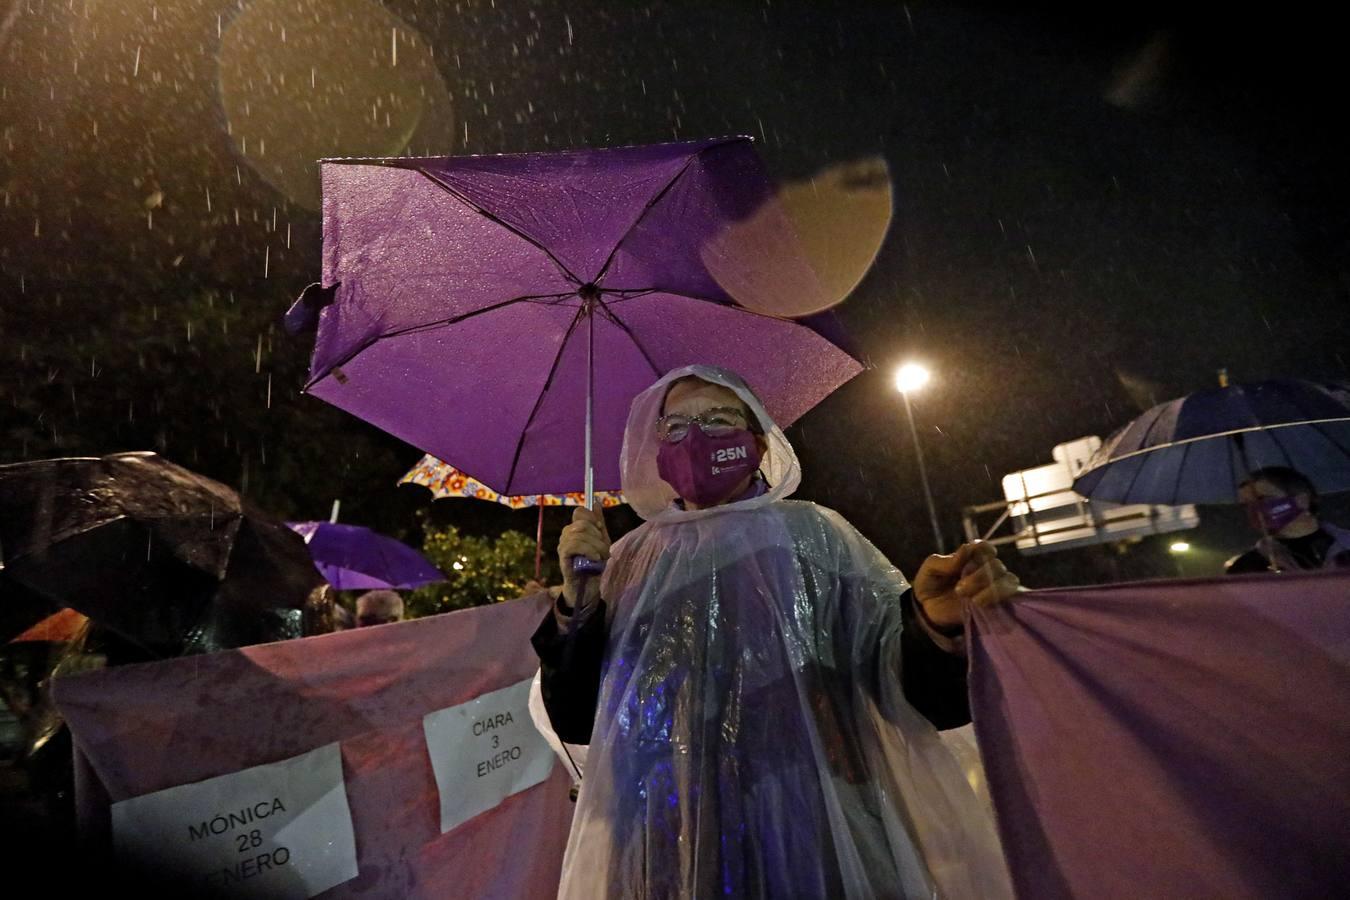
<point>1170,739</point>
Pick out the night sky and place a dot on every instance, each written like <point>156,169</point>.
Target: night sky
<point>1090,216</point>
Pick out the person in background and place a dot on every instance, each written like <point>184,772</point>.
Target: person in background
<point>378,608</point>
<point>342,618</point>
<point>1282,506</point>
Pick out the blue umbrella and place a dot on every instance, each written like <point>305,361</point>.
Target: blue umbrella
<point>356,558</point>
<point>1199,448</point>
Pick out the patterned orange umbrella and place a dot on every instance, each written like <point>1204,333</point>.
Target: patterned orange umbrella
<point>444,480</point>
<point>61,626</point>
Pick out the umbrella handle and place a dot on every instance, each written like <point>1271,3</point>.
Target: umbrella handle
<point>584,566</point>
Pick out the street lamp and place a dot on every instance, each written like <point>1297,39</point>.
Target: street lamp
<point>909,378</point>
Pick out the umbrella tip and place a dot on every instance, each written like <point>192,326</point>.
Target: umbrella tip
<point>303,316</point>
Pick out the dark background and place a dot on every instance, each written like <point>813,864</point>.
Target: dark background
<point>1093,212</point>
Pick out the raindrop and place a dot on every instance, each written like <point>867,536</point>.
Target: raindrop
<point>267,260</point>
<point>136,69</point>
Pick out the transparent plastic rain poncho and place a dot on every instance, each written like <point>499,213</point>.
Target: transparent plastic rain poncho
<point>752,738</point>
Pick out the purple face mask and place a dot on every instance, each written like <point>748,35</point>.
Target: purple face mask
<point>1274,513</point>
<point>705,470</point>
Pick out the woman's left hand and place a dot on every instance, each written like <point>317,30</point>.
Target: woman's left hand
<point>974,573</point>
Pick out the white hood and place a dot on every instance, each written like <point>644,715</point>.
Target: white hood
<point>643,486</point>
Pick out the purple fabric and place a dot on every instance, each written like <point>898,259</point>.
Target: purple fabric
<point>457,319</point>
<point>353,558</point>
<point>1170,739</point>
<point>139,729</point>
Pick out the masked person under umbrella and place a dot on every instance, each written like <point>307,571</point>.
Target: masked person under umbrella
<point>757,684</point>
<point>1281,504</point>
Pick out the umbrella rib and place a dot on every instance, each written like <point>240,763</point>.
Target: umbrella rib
<point>1229,433</point>
<point>1279,445</point>
<point>1317,426</point>
<point>539,401</point>
<point>455,320</point>
<point>1143,438</point>
<point>609,314</point>
<point>502,222</point>
<point>1181,469</point>
<point>745,310</point>
<point>1125,495</point>
<point>440,323</point>
<point>656,198</point>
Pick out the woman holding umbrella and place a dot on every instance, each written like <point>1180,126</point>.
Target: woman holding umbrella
<point>753,679</point>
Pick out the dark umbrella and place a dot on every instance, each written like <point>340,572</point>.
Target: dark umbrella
<point>164,558</point>
<point>1199,448</point>
<point>351,557</point>
<point>543,291</point>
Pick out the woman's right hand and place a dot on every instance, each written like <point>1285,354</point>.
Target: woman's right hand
<point>587,536</point>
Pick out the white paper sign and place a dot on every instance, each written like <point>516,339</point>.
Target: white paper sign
<point>484,751</point>
<point>281,830</point>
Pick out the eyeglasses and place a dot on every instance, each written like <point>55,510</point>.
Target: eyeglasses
<point>716,422</point>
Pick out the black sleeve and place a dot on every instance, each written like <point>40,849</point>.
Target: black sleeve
<point>1247,563</point>
<point>570,665</point>
<point>934,681</point>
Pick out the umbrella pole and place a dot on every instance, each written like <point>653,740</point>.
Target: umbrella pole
<point>590,401</point>
<point>579,563</point>
<point>539,542</point>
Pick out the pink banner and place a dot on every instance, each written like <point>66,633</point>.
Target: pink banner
<point>1170,739</point>
<point>140,729</point>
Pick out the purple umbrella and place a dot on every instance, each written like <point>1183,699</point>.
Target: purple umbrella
<point>544,290</point>
<point>356,558</point>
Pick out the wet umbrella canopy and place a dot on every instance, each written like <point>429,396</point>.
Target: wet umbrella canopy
<point>169,560</point>
<point>1200,448</point>
<point>552,288</point>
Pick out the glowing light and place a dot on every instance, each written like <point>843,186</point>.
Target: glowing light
<point>911,377</point>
